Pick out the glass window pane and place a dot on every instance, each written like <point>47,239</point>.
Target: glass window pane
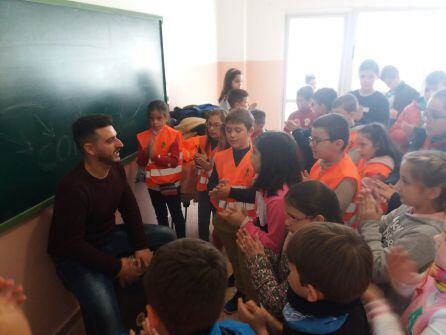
<point>314,46</point>
<point>406,39</point>
<point>289,108</point>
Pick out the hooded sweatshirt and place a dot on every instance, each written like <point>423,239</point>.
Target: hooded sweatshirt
<point>413,232</point>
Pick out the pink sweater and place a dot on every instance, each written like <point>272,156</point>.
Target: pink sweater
<point>271,213</point>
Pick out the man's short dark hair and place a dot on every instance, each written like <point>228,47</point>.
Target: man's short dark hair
<point>369,65</point>
<point>325,96</point>
<point>158,105</point>
<point>333,258</point>
<point>335,125</point>
<point>436,78</point>
<point>84,128</point>
<point>236,95</point>
<point>186,285</point>
<point>389,72</point>
<point>305,92</point>
<point>259,116</point>
<point>240,115</point>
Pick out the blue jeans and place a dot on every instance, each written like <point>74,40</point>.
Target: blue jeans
<point>94,290</point>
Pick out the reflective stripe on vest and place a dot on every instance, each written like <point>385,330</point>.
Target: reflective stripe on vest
<point>240,176</point>
<point>156,175</point>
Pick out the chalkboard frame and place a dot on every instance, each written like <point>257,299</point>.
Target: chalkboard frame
<point>36,209</point>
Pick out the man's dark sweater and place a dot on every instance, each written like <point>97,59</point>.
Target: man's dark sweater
<point>84,218</point>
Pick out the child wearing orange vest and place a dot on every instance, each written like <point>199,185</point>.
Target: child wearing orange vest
<point>204,149</point>
<point>347,105</point>
<point>379,156</point>
<point>160,154</point>
<point>334,167</point>
<point>230,184</point>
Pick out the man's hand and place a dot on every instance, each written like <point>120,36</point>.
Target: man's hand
<point>129,272</point>
<point>221,191</point>
<point>10,292</point>
<point>143,257</point>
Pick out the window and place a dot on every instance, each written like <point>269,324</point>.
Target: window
<point>406,39</point>
<point>307,55</point>
<point>411,40</point>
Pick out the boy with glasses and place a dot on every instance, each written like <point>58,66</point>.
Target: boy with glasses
<point>328,140</point>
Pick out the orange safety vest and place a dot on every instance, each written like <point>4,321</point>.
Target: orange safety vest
<point>156,175</point>
<point>332,177</point>
<point>190,148</point>
<point>377,166</point>
<point>352,140</point>
<point>203,175</point>
<point>240,176</point>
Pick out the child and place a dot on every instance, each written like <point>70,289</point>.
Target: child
<point>373,103</point>
<point>434,135</point>
<point>304,116</point>
<point>238,98</point>
<point>406,131</point>
<point>379,156</point>
<point>233,80</point>
<point>322,103</point>
<point>185,287</point>
<point>426,314</point>
<point>330,268</point>
<point>329,138</point>
<point>274,160</point>
<point>422,188</point>
<point>400,94</point>
<point>305,202</point>
<point>159,153</point>
<point>232,177</point>
<point>347,105</point>
<point>310,79</point>
<point>259,123</point>
<point>207,146</point>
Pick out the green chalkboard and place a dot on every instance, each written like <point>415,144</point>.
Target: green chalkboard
<point>59,61</point>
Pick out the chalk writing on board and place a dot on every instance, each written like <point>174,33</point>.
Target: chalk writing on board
<point>24,145</point>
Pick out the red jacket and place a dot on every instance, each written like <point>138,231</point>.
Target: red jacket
<point>402,129</point>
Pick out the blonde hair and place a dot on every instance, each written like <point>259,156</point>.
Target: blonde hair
<point>429,168</point>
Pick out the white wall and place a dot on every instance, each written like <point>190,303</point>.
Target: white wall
<point>190,45</point>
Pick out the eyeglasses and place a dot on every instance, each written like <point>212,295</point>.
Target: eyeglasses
<point>433,114</point>
<point>318,140</point>
<point>213,125</point>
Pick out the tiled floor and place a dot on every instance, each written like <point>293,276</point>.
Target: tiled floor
<point>77,327</point>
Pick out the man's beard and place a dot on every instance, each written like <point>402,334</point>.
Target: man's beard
<point>108,159</point>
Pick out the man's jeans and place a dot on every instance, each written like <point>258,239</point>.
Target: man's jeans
<point>94,290</point>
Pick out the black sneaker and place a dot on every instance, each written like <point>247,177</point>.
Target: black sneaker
<point>231,281</point>
<point>231,305</point>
